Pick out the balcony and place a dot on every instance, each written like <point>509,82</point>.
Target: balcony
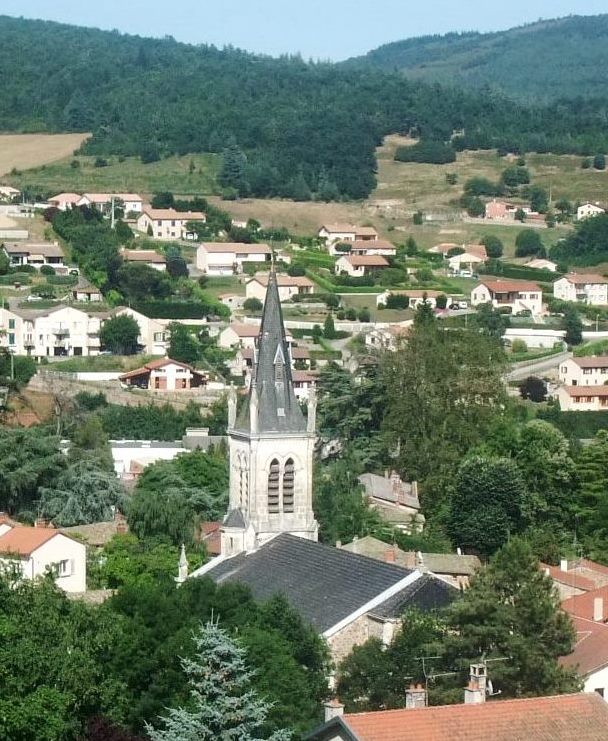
<point>60,331</point>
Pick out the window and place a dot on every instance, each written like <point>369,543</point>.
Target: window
<point>273,487</point>
<point>278,370</point>
<point>288,486</point>
<point>11,324</point>
<point>587,371</point>
<point>173,223</point>
<point>63,568</point>
<point>11,338</point>
<point>159,336</point>
<point>600,691</point>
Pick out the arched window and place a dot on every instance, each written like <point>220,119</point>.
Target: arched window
<point>273,487</point>
<point>288,485</point>
<point>244,484</point>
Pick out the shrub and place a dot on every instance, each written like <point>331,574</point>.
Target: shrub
<point>47,270</point>
<point>599,162</point>
<point>519,346</point>
<point>296,270</point>
<point>364,315</point>
<point>397,301</point>
<point>534,389</point>
<point>253,304</point>
<point>441,301</point>
<point>418,218</point>
<point>494,246</point>
<point>100,162</point>
<point>529,242</point>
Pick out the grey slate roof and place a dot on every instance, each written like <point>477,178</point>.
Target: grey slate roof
<point>235,518</point>
<point>425,594</point>
<point>278,408</point>
<point>323,583</point>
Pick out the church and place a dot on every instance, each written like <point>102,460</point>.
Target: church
<point>269,537</point>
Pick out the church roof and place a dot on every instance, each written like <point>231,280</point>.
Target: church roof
<point>326,585</point>
<point>235,518</point>
<point>271,392</point>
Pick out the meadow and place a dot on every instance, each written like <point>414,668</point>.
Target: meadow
<point>23,151</point>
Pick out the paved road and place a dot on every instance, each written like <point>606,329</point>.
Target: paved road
<point>523,370</point>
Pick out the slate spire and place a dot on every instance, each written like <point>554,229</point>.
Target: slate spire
<point>272,405</point>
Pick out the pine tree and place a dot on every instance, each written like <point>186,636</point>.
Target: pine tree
<point>232,174</point>
<point>224,706</point>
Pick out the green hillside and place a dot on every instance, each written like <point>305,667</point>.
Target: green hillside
<point>541,61</point>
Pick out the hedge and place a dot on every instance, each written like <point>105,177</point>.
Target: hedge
<point>518,272</point>
<point>577,425</point>
<point>331,287</point>
<point>181,309</point>
<point>8,280</point>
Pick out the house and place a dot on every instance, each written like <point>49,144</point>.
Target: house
<point>580,717</point>
<point>64,201</point>
<point>166,223</point>
<point>153,335</point>
<point>541,263</point>
<point>35,254</point>
<point>165,374</point>
<point>416,297</point>
<point>583,398</point>
<point>84,291</point>
<point>587,371</point>
<point>444,247</point>
<point>98,534</point>
<point>357,266</point>
<point>228,258</point>
<point>8,193</point>
<point>469,260</point>
<point>395,500</point>
<point>587,210</point>
<point>576,577</point>
<point>58,332</point>
<point>516,295</point>
<point>304,382</point>
<point>333,233</point>
<point>588,288</point>
<point>365,247</point>
<point>238,335</point>
<point>232,300</point>
<point>496,210</point>
<point>131,203</point>
<point>34,551</point>
<point>387,338</point>
<point>289,286</point>
<point>242,365</point>
<point>151,258</point>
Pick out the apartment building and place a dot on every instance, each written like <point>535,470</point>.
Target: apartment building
<point>586,288</point>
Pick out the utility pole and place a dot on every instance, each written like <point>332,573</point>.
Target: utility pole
<point>12,364</point>
<point>113,219</point>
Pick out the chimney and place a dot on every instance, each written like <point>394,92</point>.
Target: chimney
<point>598,609</point>
<point>390,556</point>
<point>475,692</point>
<point>415,696</point>
<point>563,564</point>
<point>42,522</point>
<point>338,544</point>
<point>333,709</point>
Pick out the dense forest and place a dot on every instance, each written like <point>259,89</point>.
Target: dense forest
<point>285,126</point>
<point>547,60</point>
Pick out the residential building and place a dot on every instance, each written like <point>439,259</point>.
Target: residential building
<point>415,297</point>
<point>228,258</point>
<point>35,254</point>
<point>575,577</point>
<point>588,371</point>
<point>583,398</point>
<point>365,247</point>
<point>84,291</point>
<point>151,258</point>
<point>359,265</point>
<point>588,288</point>
<point>8,193</point>
<point>473,256</point>
<point>579,717</point>
<point>288,286</point>
<point>387,338</point>
<point>60,331</point>
<point>165,374</point>
<point>496,210</point>
<point>153,335</point>
<point>131,203</point>
<point>98,534</point>
<point>238,334</point>
<point>587,210</point>
<point>516,295</point>
<point>166,223</point>
<point>333,233</point>
<point>64,201</point>
<point>444,247</point>
<point>34,551</point>
<point>541,263</point>
<point>395,500</point>
<point>304,383</point>
<point>243,362</point>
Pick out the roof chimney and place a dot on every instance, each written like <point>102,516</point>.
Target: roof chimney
<point>333,709</point>
<point>415,696</point>
<point>475,692</point>
<point>598,609</point>
<point>390,556</point>
<point>563,564</point>
<point>338,544</point>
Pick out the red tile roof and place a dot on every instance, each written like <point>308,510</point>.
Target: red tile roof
<point>509,286</point>
<point>65,198</point>
<point>23,541</point>
<point>373,261</point>
<point>143,256</point>
<point>586,390</point>
<point>591,648</point>
<point>372,244</point>
<point>284,280</point>
<point>582,605</point>
<point>583,279</point>
<point>569,578</point>
<point>580,717</point>
<point>155,365</point>
<point>240,247</point>
<point>592,361</point>
<point>169,214</point>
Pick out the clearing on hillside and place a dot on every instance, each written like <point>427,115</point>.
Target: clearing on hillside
<point>22,151</point>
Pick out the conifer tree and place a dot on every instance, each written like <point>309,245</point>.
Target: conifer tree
<point>224,706</point>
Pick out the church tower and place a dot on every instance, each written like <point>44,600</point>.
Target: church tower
<point>271,446</point>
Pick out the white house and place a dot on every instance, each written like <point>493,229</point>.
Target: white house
<point>333,233</point>
<point>58,332</point>
<point>131,203</point>
<point>304,381</point>
<point>63,201</point>
<point>359,265</point>
<point>365,247</point>
<point>166,223</point>
<point>34,551</point>
<point>227,258</point>
<point>238,334</point>
<point>588,210</point>
<point>588,288</point>
<point>151,258</point>
<point>589,371</point>
<point>387,338</point>
<point>84,291</point>
<point>153,335</point>
<point>7,193</point>
<point>583,398</point>
<point>473,256</point>
<point>518,295</point>
<point>288,285</point>
<point>416,297</point>
<point>34,253</point>
<point>165,374</point>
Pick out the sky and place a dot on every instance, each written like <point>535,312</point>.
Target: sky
<point>318,29</point>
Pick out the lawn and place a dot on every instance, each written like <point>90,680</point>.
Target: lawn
<point>20,151</point>
<point>99,363</point>
<point>129,176</point>
<point>214,287</point>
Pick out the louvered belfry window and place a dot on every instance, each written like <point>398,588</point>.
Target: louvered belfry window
<point>288,485</point>
<point>273,487</point>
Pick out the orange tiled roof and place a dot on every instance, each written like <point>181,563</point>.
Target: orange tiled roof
<point>582,605</point>
<point>591,648</point>
<point>569,578</point>
<point>241,247</point>
<point>582,279</point>
<point>586,390</point>
<point>580,717</point>
<point>373,261</point>
<point>509,286</point>
<point>23,541</point>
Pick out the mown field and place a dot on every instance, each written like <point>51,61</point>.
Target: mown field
<point>23,151</point>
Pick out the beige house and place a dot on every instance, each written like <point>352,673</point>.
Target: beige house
<point>583,398</point>
<point>289,286</point>
<point>164,375</point>
<point>63,201</point>
<point>238,334</point>
<point>31,552</point>
<point>151,258</point>
<point>473,256</point>
<point>588,210</point>
<point>131,203</point>
<point>365,247</point>
<point>333,233</point>
<point>228,258</point>
<point>587,288</point>
<point>396,500</point>
<point>359,265</point>
<point>541,263</point>
<point>153,334</point>
<point>588,371</point>
<point>516,295</point>
<point>35,254</point>
<point>7,193</point>
<point>84,291</point>
<point>387,338</point>
<point>166,223</point>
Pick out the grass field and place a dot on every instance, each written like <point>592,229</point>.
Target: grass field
<point>22,151</point>
<point>128,176</point>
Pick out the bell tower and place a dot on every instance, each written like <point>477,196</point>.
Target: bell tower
<point>271,446</point>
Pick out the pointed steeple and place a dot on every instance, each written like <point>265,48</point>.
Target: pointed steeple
<point>272,405</point>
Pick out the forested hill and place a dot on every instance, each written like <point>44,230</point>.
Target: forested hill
<point>291,128</point>
<point>564,58</point>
